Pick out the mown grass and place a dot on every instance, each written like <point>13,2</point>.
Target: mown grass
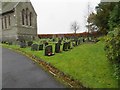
<point>86,63</point>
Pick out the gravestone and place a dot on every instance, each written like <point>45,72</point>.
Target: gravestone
<point>48,50</point>
<point>34,47</point>
<point>73,44</point>
<point>83,40</point>
<point>57,47</point>
<point>59,41</point>
<point>41,47</point>
<point>46,43</point>
<point>4,42</point>
<point>29,43</point>
<point>22,44</point>
<point>78,42</point>
<point>69,45</point>
<point>65,46</point>
<point>53,39</point>
<point>10,43</point>
<point>90,38</point>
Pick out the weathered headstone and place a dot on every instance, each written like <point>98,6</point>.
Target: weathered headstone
<point>34,47</point>
<point>83,40</point>
<point>3,42</point>
<point>89,39</point>
<point>78,42</point>
<point>29,43</point>
<point>10,43</point>
<point>65,46</point>
<point>48,50</point>
<point>53,40</point>
<point>22,44</point>
<point>41,47</point>
<point>73,44</point>
<point>57,47</point>
<point>59,41</point>
<point>69,45</point>
<point>46,43</point>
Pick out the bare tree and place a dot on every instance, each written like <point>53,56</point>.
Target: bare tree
<point>75,26</point>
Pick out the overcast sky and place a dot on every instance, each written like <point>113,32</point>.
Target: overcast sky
<point>56,16</point>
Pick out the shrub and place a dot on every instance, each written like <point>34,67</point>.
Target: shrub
<point>112,49</point>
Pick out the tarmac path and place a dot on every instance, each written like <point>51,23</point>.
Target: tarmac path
<point>19,71</point>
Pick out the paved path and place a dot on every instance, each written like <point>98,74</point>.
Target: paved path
<point>19,71</point>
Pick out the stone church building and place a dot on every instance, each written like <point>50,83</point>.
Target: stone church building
<point>18,21</point>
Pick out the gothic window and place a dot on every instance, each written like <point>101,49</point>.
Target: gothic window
<point>23,12</point>
<point>5,22</point>
<point>26,16</point>
<point>30,18</point>
<point>9,20</point>
<point>2,23</point>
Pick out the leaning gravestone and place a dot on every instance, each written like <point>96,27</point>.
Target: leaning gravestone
<point>22,44</point>
<point>34,47</point>
<point>57,47</point>
<point>41,47</point>
<point>48,50</point>
<point>65,46</point>
<point>29,43</point>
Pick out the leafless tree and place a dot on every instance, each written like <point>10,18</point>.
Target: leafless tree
<point>75,26</point>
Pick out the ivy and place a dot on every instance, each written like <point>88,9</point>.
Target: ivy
<point>112,49</point>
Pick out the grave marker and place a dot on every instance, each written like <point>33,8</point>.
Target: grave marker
<point>83,40</point>
<point>48,50</point>
<point>78,42</point>
<point>46,43</point>
<point>30,43</point>
<point>22,44</point>
<point>73,44</point>
<point>69,45</point>
<point>41,47</point>
<point>34,47</point>
<point>10,43</point>
<point>57,47</point>
<point>59,41</point>
<point>65,46</point>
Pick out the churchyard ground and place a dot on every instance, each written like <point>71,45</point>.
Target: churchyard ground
<point>86,63</point>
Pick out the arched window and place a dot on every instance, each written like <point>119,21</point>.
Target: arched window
<point>5,22</point>
<point>2,23</point>
<point>30,18</point>
<point>9,20</point>
<point>23,12</point>
<point>26,16</point>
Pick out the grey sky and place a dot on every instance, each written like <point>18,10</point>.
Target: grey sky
<point>56,16</point>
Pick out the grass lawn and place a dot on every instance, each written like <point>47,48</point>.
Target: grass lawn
<point>86,63</point>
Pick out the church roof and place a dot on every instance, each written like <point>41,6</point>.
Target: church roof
<point>8,6</point>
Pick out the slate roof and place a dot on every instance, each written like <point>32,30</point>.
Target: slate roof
<point>8,6</point>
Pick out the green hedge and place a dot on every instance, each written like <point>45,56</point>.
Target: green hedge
<point>112,49</point>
